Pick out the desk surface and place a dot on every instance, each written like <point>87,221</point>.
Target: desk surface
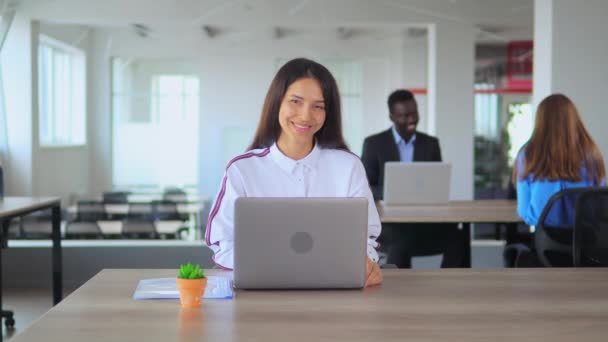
<point>10,206</point>
<point>422,305</point>
<point>473,211</point>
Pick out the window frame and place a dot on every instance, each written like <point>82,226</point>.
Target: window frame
<point>78,79</point>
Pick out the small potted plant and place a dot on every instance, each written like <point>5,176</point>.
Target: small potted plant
<point>191,283</point>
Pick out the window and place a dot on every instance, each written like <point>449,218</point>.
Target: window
<point>155,124</point>
<point>62,94</point>
<point>486,113</point>
<point>519,127</point>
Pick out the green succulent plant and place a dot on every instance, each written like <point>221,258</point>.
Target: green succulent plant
<point>190,271</point>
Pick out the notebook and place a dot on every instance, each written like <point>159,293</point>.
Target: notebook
<point>166,288</point>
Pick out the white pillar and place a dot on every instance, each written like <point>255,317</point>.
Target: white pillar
<point>450,100</point>
<point>577,53</point>
<point>99,121</point>
<point>543,42</point>
<point>16,62</point>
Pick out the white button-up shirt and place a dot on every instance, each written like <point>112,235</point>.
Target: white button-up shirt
<point>270,173</point>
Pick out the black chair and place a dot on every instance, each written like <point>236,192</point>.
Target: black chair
<point>139,222</point>
<point>591,228</point>
<point>175,194</point>
<point>85,225</point>
<point>37,225</point>
<point>553,243</point>
<point>165,210</point>
<point>141,210</point>
<point>116,197</point>
<point>138,228</point>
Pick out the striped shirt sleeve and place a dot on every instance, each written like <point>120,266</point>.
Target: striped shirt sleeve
<point>220,226</point>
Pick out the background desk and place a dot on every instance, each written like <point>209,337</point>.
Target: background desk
<point>11,207</point>
<point>464,212</point>
<point>418,305</point>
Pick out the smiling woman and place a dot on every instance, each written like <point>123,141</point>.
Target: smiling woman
<point>298,151</point>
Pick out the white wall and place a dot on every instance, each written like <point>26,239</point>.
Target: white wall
<point>236,72</point>
<point>16,71</point>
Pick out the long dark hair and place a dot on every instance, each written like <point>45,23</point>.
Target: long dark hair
<point>560,145</point>
<point>330,135</point>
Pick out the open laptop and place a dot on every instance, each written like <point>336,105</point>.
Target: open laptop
<point>416,183</point>
<point>300,243</point>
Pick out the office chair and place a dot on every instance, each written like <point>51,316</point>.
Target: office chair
<point>166,211</point>
<point>591,228</point>
<point>139,222</point>
<point>37,225</point>
<point>115,197</point>
<point>554,231</point>
<point>175,194</point>
<point>85,225</point>
<point>138,227</point>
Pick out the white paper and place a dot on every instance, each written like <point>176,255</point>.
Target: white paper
<point>166,288</point>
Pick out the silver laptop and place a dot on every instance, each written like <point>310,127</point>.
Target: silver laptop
<point>416,183</point>
<point>300,243</point>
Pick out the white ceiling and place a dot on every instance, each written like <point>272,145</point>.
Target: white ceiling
<point>498,20</point>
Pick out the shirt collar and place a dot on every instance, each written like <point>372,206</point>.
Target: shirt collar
<point>399,139</point>
<point>288,164</point>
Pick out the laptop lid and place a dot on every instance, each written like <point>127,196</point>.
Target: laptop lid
<point>297,243</point>
<point>416,183</point>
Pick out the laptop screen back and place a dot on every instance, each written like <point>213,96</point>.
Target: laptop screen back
<point>283,243</point>
<point>416,183</point>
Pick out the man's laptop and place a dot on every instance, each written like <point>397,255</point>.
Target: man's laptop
<point>416,183</point>
<point>297,243</point>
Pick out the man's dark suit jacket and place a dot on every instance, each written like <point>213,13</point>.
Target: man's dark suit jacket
<point>381,148</point>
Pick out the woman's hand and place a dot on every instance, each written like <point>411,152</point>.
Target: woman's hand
<point>373,274</point>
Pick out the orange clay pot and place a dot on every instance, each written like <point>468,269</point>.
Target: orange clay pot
<point>191,291</point>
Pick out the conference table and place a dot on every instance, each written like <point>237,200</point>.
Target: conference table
<point>463,212</point>
<point>411,305</point>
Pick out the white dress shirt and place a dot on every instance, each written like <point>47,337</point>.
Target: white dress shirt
<point>406,149</point>
<point>270,173</point>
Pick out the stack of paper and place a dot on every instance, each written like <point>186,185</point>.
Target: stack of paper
<point>166,288</point>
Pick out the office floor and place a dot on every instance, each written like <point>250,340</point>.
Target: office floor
<point>28,305</point>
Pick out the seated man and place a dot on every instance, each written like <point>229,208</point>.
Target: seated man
<point>403,143</point>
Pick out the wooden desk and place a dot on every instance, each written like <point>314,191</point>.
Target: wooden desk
<point>412,305</point>
<point>464,212</point>
<point>12,207</point>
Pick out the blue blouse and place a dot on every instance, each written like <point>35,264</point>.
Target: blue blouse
<point>533,195</point>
